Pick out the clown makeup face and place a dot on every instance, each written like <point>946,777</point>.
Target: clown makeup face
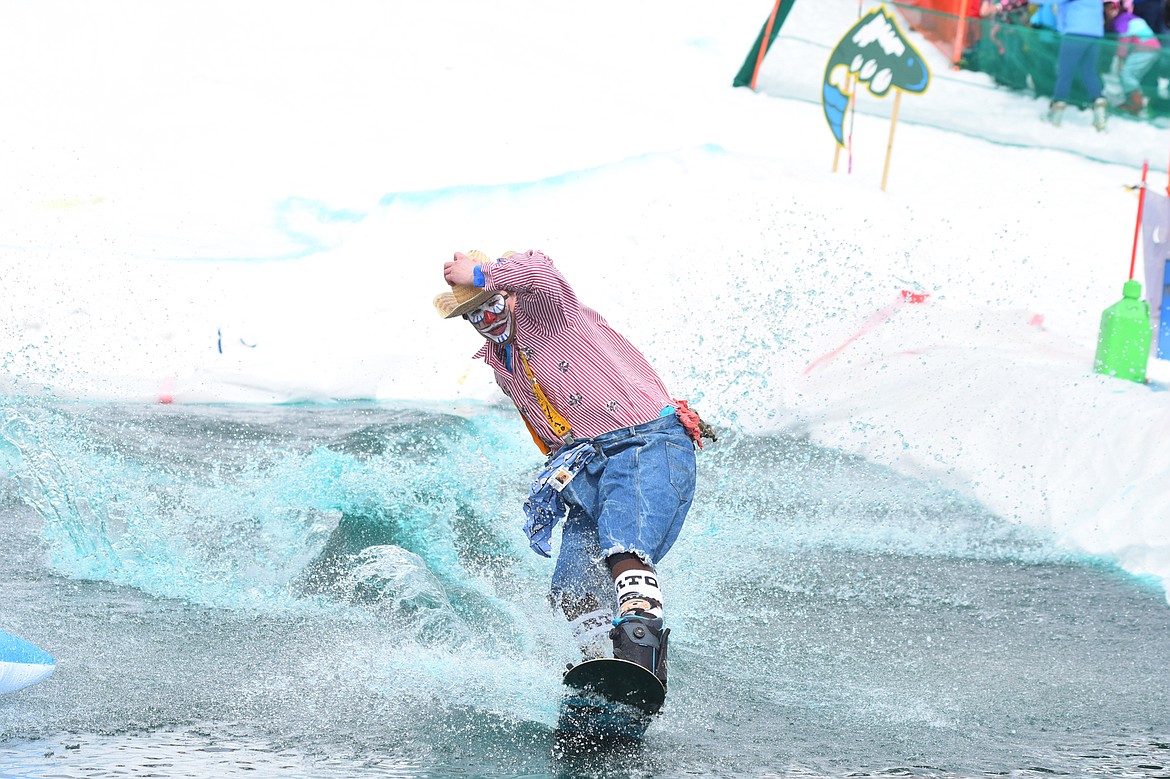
<point>492,320</point>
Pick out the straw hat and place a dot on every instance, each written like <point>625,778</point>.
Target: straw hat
<point>460,299</point>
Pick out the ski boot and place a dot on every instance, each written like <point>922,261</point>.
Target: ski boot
<point>1099,106</point>
<point>641,640</point>
<point>1056,112</point>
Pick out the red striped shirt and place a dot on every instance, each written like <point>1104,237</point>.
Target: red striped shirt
<point>593,376</point>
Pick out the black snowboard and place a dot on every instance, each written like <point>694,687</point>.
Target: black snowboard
<point>609,698</point>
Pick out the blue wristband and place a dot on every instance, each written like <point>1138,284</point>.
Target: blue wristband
<point>477,277</point>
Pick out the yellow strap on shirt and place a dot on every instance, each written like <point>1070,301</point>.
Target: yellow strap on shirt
<point>559,425</point>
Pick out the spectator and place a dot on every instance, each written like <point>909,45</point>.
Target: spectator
<point>1044,18</point>
<point>1153,12</point>
<point>1012,11</point>
<point>1082,27</point>
<point>1138,50</point>
<point>1042,49</point>
<point>1002,49</point>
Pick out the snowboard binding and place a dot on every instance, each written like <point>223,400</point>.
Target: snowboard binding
<point>641,640</point>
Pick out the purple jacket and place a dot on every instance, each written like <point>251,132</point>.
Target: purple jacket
<point>1134,32</point>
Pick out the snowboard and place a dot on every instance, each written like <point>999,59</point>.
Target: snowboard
<point>608,699</point>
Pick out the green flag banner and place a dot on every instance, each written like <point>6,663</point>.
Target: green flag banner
<point>751,66</point>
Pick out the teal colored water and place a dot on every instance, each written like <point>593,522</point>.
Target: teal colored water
<point>343,591</point>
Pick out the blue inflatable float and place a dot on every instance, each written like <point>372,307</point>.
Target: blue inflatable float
<point>22,663</point>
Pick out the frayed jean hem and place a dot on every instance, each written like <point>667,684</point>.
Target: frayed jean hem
<point>619,549</point>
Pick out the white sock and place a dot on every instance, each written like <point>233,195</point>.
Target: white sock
<point>638,593</point>
<point>592,633</point>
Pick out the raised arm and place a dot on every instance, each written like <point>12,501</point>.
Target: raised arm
<point>460,270</point>
<point>549,302</point>
<point>531,271</point>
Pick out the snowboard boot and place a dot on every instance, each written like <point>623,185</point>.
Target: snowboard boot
<point>1134,103</point>
<point>1056,112</point>
<point>591,631</point>
<point>643,641</point>
<point>1099,114</point>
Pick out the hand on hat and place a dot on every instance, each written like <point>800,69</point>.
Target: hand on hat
<point>460,270</point>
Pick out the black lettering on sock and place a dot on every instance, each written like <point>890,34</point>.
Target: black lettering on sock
<point>629,580</point>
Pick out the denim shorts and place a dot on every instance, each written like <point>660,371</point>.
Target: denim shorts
<point>633,496</point>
